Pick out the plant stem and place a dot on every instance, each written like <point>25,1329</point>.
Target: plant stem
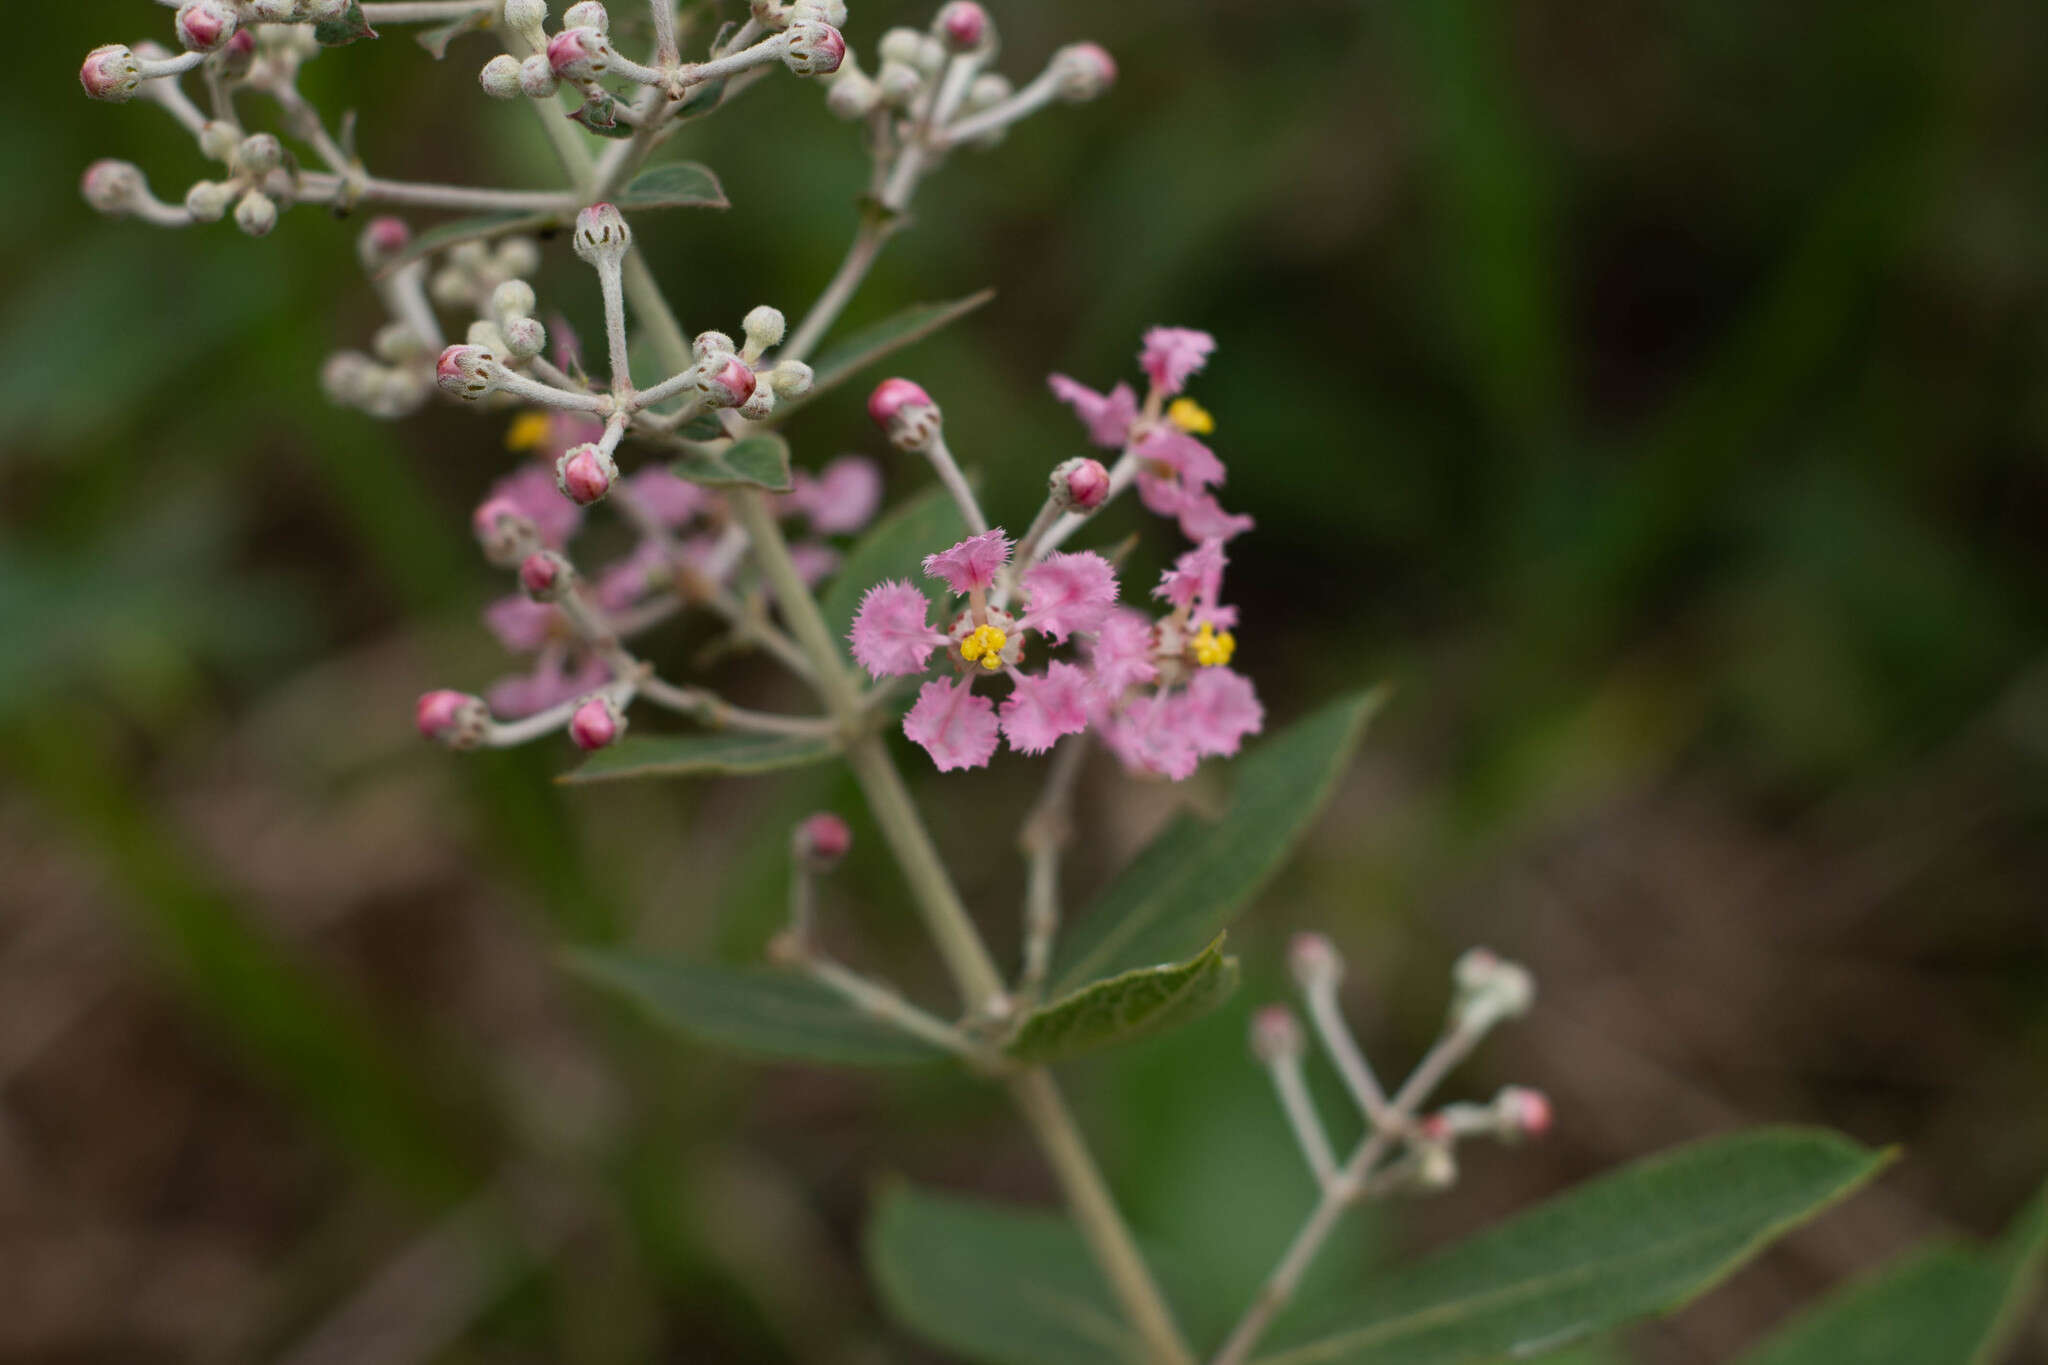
<point>875,231</point>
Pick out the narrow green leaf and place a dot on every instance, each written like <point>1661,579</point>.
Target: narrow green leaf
<point>843,360</point>
<point>351,27</point>
<point>674,185</point>
<point>1644,1240</point>
<point>756,1010</point>
<point>479,229</point>
<point>894,547</point>
<point>1193,879</point>
<point>726,753</point>
<point>758,461</point>
<point>435,40</point>
<point>1144,1000</point>
<point>1946,1304</point>
<point>994,1285</point>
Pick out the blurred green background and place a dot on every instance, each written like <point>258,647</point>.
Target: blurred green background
<point>1656,394</point>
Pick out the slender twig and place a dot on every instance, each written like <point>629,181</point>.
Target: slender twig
<point>874,233</point>
<point>1292,1087</point>
<point>1044,840</point>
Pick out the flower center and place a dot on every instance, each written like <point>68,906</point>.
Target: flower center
<point>1213,649</point>
<point>1190,417</point>
<point>985,646</point>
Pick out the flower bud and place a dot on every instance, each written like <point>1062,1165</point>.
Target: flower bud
<point>585,473</point>
<point>275,11</point>
<point>1522,1112</point>
<point>831,12</point>
<point>1080,485</point>
<point>760,403</point>
<point>1276,1036</point>
<point>764,327</point>
<point>1315,962</point>
<point>711,344</point>
<point>525,337</point>
<point>588,14</point>
<point>579,54</point>
<point>113,187</point>
<point>397,342</point>
<point>256,213</point>
<point>504,531</point>
<point>726,385</point>
<point>523,16</point>
<point>514,299</point>
<point>821,840</point>
<point>455,719</point>
<point>239,54</point>
<point>111,73</point>
<point>1490,990</point>
<point>218,138</point>
<point>1436,1165</point>
<point>963,24</point>
<point>602,237</point>
<point>347,378</point>
<point>545,575</point>
<point>383,238</point>
<point>905,413</point>
<point>1085,70</point>
<point>900,45</point>
<point>518,257</point>
<point>596,724</point>
<point>988,90</point>
<point>259,154</point>
<point>812,48</point>
<point>851,94</point>
<point>537,79</point>
<point>205,25</point>
<point>483,332</point>
<point>791,379</point>
<point>465,372</point>
<point>898,82</point>
<point>500,76</point>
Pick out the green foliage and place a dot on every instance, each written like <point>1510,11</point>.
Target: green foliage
<point>674,185</point>
<point>1193,879</point>
<point>351,27</point>
<point>724,753</point>
<point>1644,1240</point>
<point>1121,1008</point>
<point>761,1011</point>
<point>757,461</point>
<point>894,547</point>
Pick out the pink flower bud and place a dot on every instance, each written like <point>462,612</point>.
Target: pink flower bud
<point>822,840</point>
<point>709,344</point>
<point>585,474</point>
<point>504,530</point>
<point>1080,485</point>
<point>111,73</point>
<point>588,14</point>
<point>1314,961</point>
<point>1275,1035</point>
<point>602,235</point>
<point>905,413</point>
<point>963,24</point>
<point>596,724</point>
<point>1523,1112</point>
<point>205,25</point>
<point>1085,71</point>
<point>455,719</point>
<point>727,385</point>
<point>465,372</point>
<point>113,186</point>
<point>1434,1128</point>
<point>545,575</point>
<point>813,48</point>
<point>579,54</point>
<point>383,239</point>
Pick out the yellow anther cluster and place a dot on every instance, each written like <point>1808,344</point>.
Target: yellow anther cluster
<point>985,647</point>
<point>1213,648</point>
<point>528,430</point>
<point>1190,417</point>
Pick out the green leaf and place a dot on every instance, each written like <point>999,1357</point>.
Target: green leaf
<point>758,461</point>
<point>1644,1240</point>
<point>351,27</point>
<point>1941,1305</point>
<point>994,1285</point>
<point>840,362</point>
<point>674,185</point>
<point>725,753</point>
<point>479,229</point>
<point>894,547</point>
<point>1145,1000</point>
<point>600,114</point>
<point>1193,879</point>
<point>756,1010</point>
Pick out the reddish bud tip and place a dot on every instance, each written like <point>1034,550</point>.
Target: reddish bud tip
<point>585,474</point>
<point>1528,1111</point>
<point>891,396</point>
<point>1085,70</point>
<point>729,385</point>
<point>543,575</point>
<point>1314,960</point>
<point>205,25</point>
<point>1275,1034</point>
<point>577,54</point>
<point>596,724</point>
<point>823,839</point>
<point>111,73</point>
<point>813,48</point>
<point>963,24</point>
<point>453,718</point>
<point>1081,484</point>
<point>464,371</point>
<point>384,238</point>
<point>601,234</point>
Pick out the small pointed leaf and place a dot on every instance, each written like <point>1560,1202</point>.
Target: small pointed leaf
<point>351,27</point>
<point>673,185</point>
<point>894,547</point>
<point>758,461</point>
<point>760,1011</point>
<point>727,753</point>
<point>1121,1008</point>
<point>841,361</point>
<point>435,40</point>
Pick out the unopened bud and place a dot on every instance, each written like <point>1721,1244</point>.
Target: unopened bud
<point>505,532</point>
<point>218,138</point>
<point>710,344</point>
<point>588,14</point>
<point>579,54</point>
<point>1436,1165</point>
<point>905,413</point>
<point>500,77</point>
<point>537,78</point>
<point>485,333</point>
<point>205,25</point>
<point>900,45</point>
<point>525,337</point>
<point>466,372</point>
<point>726,385</point>
<point>1315,962</point>
<point>831,12</point>
<point>812,48</point>
<point>1080,485</point>
<point>256,213</point>
<point>545,575</point>
<point>455,719</point>
<point>760,403</point>
<point>396,342</point>
<point>1276,1037</point>
<point>597,724</point>
<point>239,54</point>
<point>383,239</point>
<point>898,82</point>
<point>585,474</point>
<point>963,24</point>
<point>113,187</point>
<point>852,95</point>
<point>764,327</point>
<point>111,73</point>
<point>208,201</point>
<point>523,16</point>
<point>1490,989</point>
<point>259,154</point>
<point>514,299</point>
<point>988,90</point>
<point>602,237</point>
<point>1085,70</point>
<point>1522,1112</point>
<point>821,840</point>
<point>791,379</point>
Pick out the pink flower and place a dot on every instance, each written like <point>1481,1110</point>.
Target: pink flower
<point>548,685</point>
<point>626,582</point>
<point>521,624</point>
<point>670,499</point>
<point>1064,593</point>
<point>1042,709</point>
<point>1145,738</point>
<point>841,498</point>
<point>1218,710</point>
<point>1169,452</point>
<point>814,562</point>
<point>1203,518</point>
<point>956,727</point>
<point>1108,416</point>
<point>1195,577</point>
<point>1172,354</point>
<point>1122,653</point>
<point>532,490</point>
<point>891,634</point>
<point>971,565</point>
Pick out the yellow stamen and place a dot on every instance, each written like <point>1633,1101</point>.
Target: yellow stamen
<point>985,647</point>
<point>528,430</point>
<point>1190,417</point>
<point>1213,648</point>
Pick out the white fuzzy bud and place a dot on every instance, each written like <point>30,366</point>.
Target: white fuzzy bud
<point>523,16</point>
<point>537,79</point>
<point>259,154</point>
<point>710,344</point>
<point>812,48</point>
<point>218,139</point>
<point>601,236</point>
<point>518,257</point>
<point>113,187</point>
<point>1490,990</point>
<point>588,14</point>
<point>988,90</point>
<point>500,76</point>
<point>759,404</point>
<point>1084,71</point>
<point>764,327</point>
<point>898,82</point>
<point>791,379</point>
<point>525,337</point>
<point>900,45</point>
<point>396,342</point>
<point>514,299</point>
<point>851,94</point>
<point>831,12</point>
<point>208,201</point>
<point>256,214</point>
<point>485,333</point>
